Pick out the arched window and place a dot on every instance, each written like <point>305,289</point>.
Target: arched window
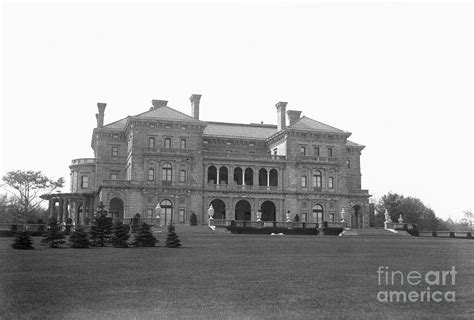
<point>182,176</point>
<point>273,178</point>
<point>317,179</point>
<point>262,177</point>
<point>238,176</point>
<point>166,214</point>
<point>167,172</point>
<point>318,214</point>
<point>249,177</point>
<point>211,175</point>
<point>223,175</point>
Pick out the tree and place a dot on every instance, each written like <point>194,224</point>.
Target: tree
<point>144,237</point>
<point>22,241</point>
<point>172,240</point>
<point>53,237</point>
<point>26,186</point>
<point>121,235</point>
<point>411,209</point>
<point>101,228</point>
<point>79,238</point>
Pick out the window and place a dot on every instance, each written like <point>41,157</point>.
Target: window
<point>149,213</point>
<point>115,135</point>
<point>316,151</point>
<point>167,172</point>
<point>331,217</point>
<point>303,151</point>
<point>113,176</point>
<point>182,176</point>
<point>304,181</point>
<point>318,213</point>
<point>114,151</point>
<point>85,182</point>
<point>317,179</point>
<point>348,163</point>
<point>183,144</point>
<point>275,151</point>
<point>167,142</point>
<point>152,125</point>
<point>151,142</point>
<point>181,216</point>
<point>151,174</point>
<point>329,152</point>
<point>331,183</point>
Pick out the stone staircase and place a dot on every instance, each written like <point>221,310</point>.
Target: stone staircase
<point>374,232</point>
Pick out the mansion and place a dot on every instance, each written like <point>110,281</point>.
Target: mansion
<point>165,164</point>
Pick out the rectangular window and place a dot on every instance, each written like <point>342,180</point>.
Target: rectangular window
<point>329,152</point>
<point>114,151</point>
<point>152,125</point>
<point>151,142</point>
<point>304,217</point>
<point>331,217</point>
<point>183,144</point>
<point>275,151</point>
<point>115,135</point>
<point>84,182</point>
<point>316,151</point>
<point>304,182</point>
<point>331,183</point>
<point>182,176</point>
<point>303,151</point>
<point>181,216</point>
<point>149,213</point>
<point>317,181</point>
<point>113,176</point>
<point>151,174</point>
<point>167,142</point>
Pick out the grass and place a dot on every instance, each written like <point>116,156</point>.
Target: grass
<point>225,276</point>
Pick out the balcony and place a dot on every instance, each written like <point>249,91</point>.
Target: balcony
<point>166,150</point>
<point>302,158</point>
<point>80,161</point>
<point>240,156</point>
<point>117,182</point>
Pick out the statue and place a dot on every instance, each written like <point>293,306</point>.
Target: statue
<point>259,215</point>
<point>400,218</point>
<point>387,216</point>
<point>288,218</point>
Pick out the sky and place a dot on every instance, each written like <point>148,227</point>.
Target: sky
<point>398,75</point>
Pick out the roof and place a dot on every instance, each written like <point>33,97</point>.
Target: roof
<point>237,130</point>
<point>120,124</point>
<point>306,123</point>
<point>353,144</point>
<point>166,113</point>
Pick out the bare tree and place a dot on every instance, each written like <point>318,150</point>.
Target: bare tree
<point>26,187</point>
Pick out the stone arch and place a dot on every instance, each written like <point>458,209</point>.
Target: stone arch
<point>219,208</point>
<point>243,210</point>
<point>116,206</point>
<point>262,177</point>
<point>249,177</point>
<point>273,178</point>
<point>268,209</point>
<point>357,217</point>
<point>212,175</point>
<point>166,211</point>
<point>318,213</point>
<point>223,175</point>
<point>238,176</point>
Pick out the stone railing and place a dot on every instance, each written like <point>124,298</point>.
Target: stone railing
<point>316,159</point>
<point>240,156</point>
<point>83,161</point>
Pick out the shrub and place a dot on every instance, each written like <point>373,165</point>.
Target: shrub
<point>172,240</point>
<point>434,234</point>
<point>332,231</point>
<point>469,235</point>
<point>297,218</point>
<point>452,234</point>
<point>121,235</point>
<point>144,237</point>
<point>79,238</point>
<point>53,237</point>
<point>101,229</point>
<point>22,241</point>
<point>193,219</point>
<point>270,230</point>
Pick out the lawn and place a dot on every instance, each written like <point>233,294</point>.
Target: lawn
<point>225,276</point>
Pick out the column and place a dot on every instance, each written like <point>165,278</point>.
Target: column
<point>51,207</point>
<point>268,178</point>
<point>217,178</point>
<point>84,209</point>
<point>243,177</point>
<point>65,211</point>
<point>60,210</point>
<point>91,208</point>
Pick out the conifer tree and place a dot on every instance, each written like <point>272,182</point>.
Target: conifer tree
<point>144,237</point>
<point>121,235</point>
<point>79,238</point>
<point>53,237</point>
<point>101,228</point>
<point>172,240</point>
<point>22,241</point>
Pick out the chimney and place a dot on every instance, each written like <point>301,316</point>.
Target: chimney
<point>293,116</point>
<point>159,103</point>
<point>281,115</point>
<point>195,99</point>
<point>100,116</point>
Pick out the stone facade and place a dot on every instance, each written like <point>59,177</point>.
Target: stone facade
<point>183,164</point>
